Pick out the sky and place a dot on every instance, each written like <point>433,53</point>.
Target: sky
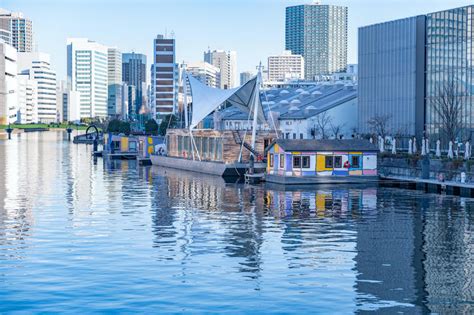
<point>255,29</point>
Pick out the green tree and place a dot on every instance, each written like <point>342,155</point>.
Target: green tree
<point>168,122</point>
<point>124,127</point>
<point>114,125</point>
<point>151,127</point>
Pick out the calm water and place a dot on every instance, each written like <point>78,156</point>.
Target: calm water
<point>78,236</point>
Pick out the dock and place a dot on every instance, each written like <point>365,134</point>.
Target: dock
<point>430,185</point>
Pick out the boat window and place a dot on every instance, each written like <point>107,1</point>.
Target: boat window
<point>338,161</point>
<point>282,161</point>
<point>329,161</point>
<point>305,161</point>
<point>271,160</point>
<point>132,146</point>
<point>296,161</point>
<point>116,145</point>
<point>355,161</point>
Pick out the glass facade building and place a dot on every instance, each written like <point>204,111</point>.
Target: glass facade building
<point>134,74</point>
<point>318,33</point>
<point>449,66</point>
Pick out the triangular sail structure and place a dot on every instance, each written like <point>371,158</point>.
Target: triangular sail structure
<point>206,99</point>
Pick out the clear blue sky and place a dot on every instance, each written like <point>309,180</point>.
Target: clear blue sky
<point>253,28</point>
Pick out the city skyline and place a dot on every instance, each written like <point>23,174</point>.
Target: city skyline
<point>105,24</point>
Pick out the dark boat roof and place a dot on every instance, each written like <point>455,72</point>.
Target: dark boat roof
<point>326,145</point>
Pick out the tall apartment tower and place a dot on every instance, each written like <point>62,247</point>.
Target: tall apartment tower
<point>38,66</point>
<point>164,76</point>
<point>16,30</point>
<point>318,33</point>
<point>114,74</point>
<point>285,67</point>
<point>245,77</point>
<point>87,73</point>
<point>226,61</point>
<point>134,74</point>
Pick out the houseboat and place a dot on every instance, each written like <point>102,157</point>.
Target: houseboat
<point>218,152</point>
<point>297,162</point>
<point>147,146</point>
<point>120,146</point>
<point>214,150</point>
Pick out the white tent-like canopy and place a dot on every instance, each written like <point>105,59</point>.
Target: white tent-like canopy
<point>206,99</point>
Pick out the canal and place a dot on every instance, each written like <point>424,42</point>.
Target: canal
<point>82,236</point>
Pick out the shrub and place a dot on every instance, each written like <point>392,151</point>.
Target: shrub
<point>151,127</point>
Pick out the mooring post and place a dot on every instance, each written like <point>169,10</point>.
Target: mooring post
<point>9,131</point>
<point>69,131</point>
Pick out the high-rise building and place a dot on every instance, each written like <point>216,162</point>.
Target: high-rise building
<point>204,72</point>
<point>38,66</point>
<point>27,99</point>
<point>8,84</point>
<point>226,61</point>
<point>88,74</point>
<point>318,33</point>
<point>404,66</point>
<point>114,70</point>
<point>245,77</point>
<point>285,67</point>
<point>71,106</point>
<point>17,30</point>
<point>134,73</point>
<point>164,76</point>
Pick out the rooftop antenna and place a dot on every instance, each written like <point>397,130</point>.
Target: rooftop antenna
<point>172,34</point>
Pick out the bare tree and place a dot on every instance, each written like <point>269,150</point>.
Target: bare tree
<point>323,122</point>
<point>379,124</point>
<point>336,129</point>
<point>447,105</point>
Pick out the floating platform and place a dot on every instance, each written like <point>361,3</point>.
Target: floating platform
<point>121,155</point>
<point>312,180</point>
<point>34,129</point>
<point>430,185</point>
<point>206,167</point>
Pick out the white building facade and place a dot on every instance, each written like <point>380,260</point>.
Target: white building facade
<point>27,99</point>
<point>16,30</point>
<point>226,61</point>
<point>8,84</point>
<point>87,71</point>
<point>204,72</point>
<point>38,66</point>
<point>285,67</point>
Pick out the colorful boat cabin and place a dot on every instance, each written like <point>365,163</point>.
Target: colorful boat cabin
<point>120,144</point>
<point>317,158</point>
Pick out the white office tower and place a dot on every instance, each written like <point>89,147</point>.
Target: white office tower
<point>37,65</point>
<point>87,73</point>
<point>285,67</point>
<point>8,84</point>
<point>204,72</point>
<point>114,69</point>
<point>27,99</point>
<point>71,111</point>
<point>226,61</point>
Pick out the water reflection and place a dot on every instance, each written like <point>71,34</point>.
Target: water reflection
<point>180,238</point>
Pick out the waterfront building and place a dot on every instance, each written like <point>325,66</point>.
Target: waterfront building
<point>226,61</point>
<point>88,74</point>
<point>313,161</point>
<point>286,66</point>
<point>204,72</point>
<point>134,73</point>
<point>16,30</point>
<point>114,75</point>
<point>71,106</point>
<point>403,65</point>
<point>8,84</point>
<point>311,111</point>
<point>391,74</point>
<point>125,107</point>
<point>27,99</point>
<point>319,34</point>
<point>245,77</point>
<point>164,76</point>
<point>38,66</point>
<point>348,76</point>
